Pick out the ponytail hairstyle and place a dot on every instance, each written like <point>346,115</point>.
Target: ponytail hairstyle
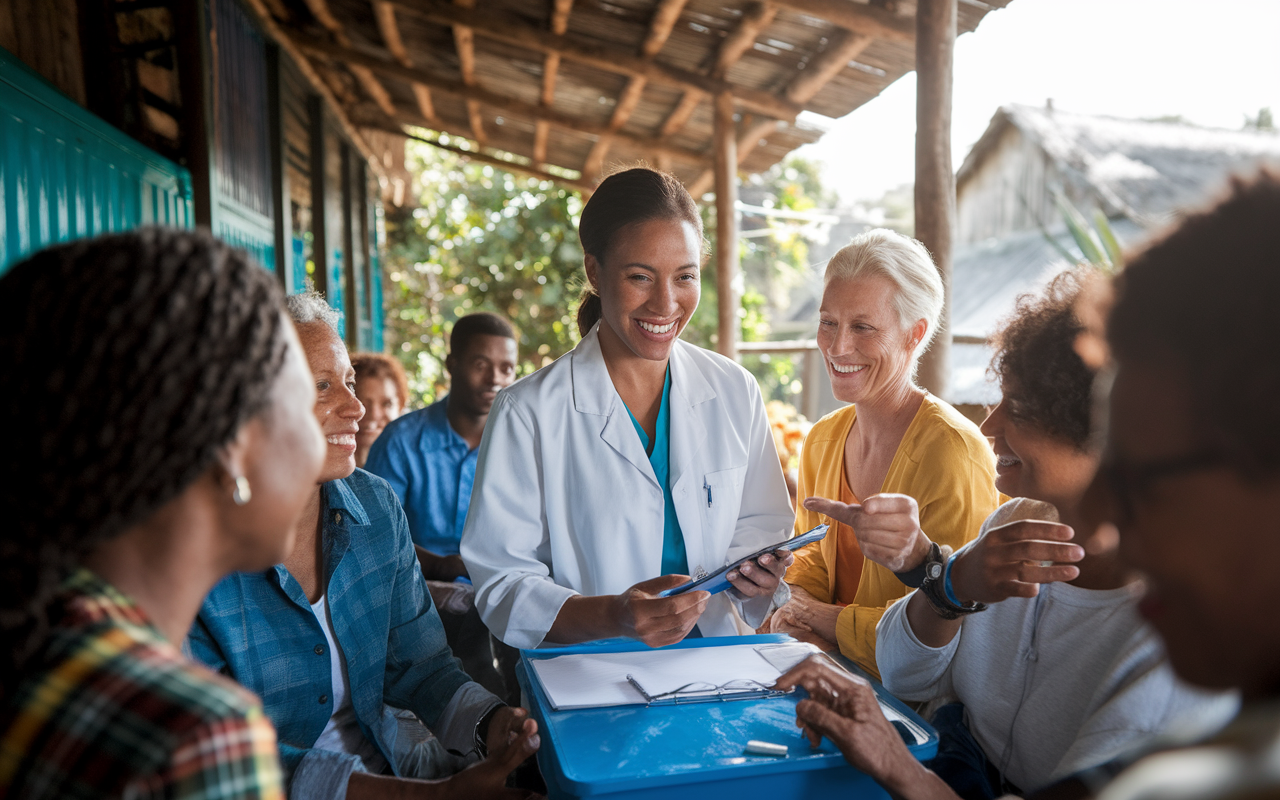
<point>131,360</point>
<point>624,198</point>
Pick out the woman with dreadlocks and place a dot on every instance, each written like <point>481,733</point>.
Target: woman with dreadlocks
<point>154,382</point>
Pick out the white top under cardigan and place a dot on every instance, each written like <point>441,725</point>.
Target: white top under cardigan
<point>565,501</point>
<point>1051,684</point>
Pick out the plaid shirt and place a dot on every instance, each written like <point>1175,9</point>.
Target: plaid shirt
<point>112,709</point>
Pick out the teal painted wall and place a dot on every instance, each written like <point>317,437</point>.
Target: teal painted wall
<point>64,173</point>
<point>241,227</point>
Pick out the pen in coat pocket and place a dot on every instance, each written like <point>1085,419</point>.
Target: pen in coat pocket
<point>707,486</point>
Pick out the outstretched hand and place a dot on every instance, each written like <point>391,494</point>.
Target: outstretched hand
<point>887,527</point>
<point>1014,559</point>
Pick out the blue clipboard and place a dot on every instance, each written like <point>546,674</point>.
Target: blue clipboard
<point>718,581</point>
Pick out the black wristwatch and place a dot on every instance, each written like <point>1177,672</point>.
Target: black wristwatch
<point>932,566</point>
<point>482,730</point>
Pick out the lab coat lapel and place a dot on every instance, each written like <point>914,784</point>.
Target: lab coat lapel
<point>689,389</point>
<point>594,395</point>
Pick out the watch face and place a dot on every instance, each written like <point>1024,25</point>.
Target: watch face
<point>934,570</point>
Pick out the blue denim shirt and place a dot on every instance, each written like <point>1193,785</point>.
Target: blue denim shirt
<point>431,468</point>
<point>259,629</point>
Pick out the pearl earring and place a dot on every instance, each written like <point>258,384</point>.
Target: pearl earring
<point>242,493</point>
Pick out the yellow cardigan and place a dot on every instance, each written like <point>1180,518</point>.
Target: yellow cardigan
<point>944,462</point>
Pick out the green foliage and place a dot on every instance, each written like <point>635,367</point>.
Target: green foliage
<point>482,239</point>
<point>776,261</point>
<point>1098,244</point>
<point>1264,121</point>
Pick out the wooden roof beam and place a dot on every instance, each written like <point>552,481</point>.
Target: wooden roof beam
<point>372,120</point>
<point>320,10</point>
<point>679,116</point>
<point>502,103</point>
<point>513,31</point>
<point>840,50</point>
<point>550,70</point>
<point>748,140</point>
<point>464,41</point>
<point>654,149</point>
<point>757,17</point>
<point>665,17</point>
<point>660,27</point>
<point>386,16</point>
<point>485,158</point>
<point>862,18</point>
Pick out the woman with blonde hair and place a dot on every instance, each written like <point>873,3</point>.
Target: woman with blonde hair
<point>905,462</point>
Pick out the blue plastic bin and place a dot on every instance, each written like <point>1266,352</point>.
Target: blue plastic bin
<point>693,750</point>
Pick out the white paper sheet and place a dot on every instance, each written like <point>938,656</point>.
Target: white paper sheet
<point>590,680</point>
<point>595,680</point>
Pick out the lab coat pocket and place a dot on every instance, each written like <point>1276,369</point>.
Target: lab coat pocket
<point>722,492</point>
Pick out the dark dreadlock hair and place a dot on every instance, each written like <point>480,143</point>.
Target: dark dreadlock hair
<point>132,359</point>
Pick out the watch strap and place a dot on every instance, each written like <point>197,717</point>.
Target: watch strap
<point>916,576</point>
<point>936,590</point>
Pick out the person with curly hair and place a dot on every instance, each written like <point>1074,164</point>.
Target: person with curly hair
<point>383,389</point>
<point>1039,639</point>
<point>152,386</point>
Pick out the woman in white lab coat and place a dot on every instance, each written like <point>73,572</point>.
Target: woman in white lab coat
<point>631,462</point>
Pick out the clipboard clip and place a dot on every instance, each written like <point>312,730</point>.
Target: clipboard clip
<point>704,692</point>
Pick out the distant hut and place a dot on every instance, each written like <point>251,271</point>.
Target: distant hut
<point>1139,173</point>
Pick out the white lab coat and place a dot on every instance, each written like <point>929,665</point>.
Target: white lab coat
<point>565,501</point>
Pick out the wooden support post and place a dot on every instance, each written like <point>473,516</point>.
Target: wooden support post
<point>194,72</point>
<point>726,169</point>
<point>935,188</point>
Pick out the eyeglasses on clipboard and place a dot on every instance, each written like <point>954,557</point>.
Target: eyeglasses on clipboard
<point>705,692</point>
<point>718,581</point>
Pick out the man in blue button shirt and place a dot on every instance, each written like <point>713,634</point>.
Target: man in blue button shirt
<point>429,458</point>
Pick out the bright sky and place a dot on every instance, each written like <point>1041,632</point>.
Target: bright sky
<point>1210,62</point>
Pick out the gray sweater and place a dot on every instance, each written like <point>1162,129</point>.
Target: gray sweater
<point>1052,684</point>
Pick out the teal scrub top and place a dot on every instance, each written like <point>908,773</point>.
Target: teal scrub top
<point>674,559</point>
